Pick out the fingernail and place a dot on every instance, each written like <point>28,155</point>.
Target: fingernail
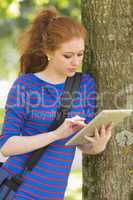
<point>102,126</point>
<point>96,129</point>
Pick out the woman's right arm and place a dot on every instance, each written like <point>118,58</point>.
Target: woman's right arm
<point>24,144</point>
<point>11,140</point>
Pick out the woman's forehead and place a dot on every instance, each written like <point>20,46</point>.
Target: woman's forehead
<point>73,45</point>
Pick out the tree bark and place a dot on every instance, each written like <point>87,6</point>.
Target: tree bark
<point>109,58</point>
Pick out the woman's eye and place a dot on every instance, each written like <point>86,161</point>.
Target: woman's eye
<point>66,56</point>
<point>80,55</point>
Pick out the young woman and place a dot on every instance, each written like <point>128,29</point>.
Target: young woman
<point>52,48</point>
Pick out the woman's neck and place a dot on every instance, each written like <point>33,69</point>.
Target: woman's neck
<point>50,76</point>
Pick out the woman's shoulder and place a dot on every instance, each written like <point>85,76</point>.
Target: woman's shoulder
<point>23,80</point>
<point>88,84</point>
<point>87,78</point>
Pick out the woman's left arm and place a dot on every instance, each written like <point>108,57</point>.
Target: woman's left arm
<point>97,144</point>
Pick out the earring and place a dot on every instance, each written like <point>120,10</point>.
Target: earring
<point>48,57</point>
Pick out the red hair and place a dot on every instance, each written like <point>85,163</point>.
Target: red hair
<point>47,32</point>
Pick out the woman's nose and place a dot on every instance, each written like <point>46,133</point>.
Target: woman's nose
<point>75,61</point>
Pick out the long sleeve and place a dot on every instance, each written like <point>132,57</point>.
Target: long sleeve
<point>90,98</point>
<point>15,112</point>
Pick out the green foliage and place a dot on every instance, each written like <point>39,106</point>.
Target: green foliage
<point>1,117</point>
<point>9,57</point>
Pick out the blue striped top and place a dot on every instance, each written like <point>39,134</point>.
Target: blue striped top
<point>30,109</point>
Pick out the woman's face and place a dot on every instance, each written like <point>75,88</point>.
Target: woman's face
<point>66,60</point>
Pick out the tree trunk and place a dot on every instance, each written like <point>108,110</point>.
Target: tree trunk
<point>109,58</point>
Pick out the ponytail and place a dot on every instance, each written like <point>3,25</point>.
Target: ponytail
<point>33,58</point>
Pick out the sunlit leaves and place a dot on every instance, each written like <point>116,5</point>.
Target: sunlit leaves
<point>41,2</point>
<point>13,9</point>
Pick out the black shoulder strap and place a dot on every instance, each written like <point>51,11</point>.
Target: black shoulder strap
<point>72,85</point>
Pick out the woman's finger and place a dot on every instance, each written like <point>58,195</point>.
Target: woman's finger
<point>89,139</point>
<point>109,127</point>
<point>108,134</point>
<point>96,133</point>
<point>108,131</point>
<point>102,131</point>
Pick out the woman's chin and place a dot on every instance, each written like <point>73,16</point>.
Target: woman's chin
<point>69,74</point>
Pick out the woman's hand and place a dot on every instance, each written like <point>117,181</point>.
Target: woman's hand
<point>97,143</point>
<point>69,126</point>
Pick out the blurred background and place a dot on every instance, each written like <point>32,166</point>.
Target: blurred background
<point>15,16</point>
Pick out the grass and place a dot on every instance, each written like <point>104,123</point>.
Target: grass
<point>74,189</point>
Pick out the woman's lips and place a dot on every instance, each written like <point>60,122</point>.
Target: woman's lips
<point>71,69</point>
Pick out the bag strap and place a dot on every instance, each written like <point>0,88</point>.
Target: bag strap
<point>72,85</point>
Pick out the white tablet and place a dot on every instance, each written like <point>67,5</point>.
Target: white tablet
<point>104,117</point>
